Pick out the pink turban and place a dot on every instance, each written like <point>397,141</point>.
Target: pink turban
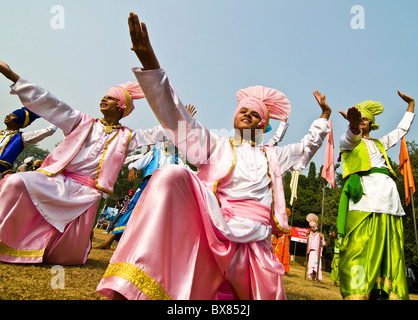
<point>126,93</point>
<point>267,102</point>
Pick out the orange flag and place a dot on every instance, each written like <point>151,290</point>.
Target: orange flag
<point>405,169</point>
<point>328,171</point>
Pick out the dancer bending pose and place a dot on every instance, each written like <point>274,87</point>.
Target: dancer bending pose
<point>47,215</point>
<point>207,235</point>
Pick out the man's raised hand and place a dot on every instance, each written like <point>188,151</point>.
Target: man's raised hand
<point>7,72</point>
<point>141,44</point>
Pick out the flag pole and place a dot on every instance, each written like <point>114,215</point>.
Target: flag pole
<point>293,197</point>
<point>293,211</point>
<point>413,214</point>
<point>320,230</point>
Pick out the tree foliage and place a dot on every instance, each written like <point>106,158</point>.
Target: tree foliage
<point>31,151</point>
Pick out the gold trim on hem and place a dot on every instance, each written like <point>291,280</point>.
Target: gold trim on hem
<point>383,284</point>
<point>11,252</point>
<point>358,296</point>
<point>139,278</point>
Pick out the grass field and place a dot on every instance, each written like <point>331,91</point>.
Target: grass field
<point>33,282</point>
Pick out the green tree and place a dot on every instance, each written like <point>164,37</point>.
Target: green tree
<point>408,219</point>
<point>31,151</point>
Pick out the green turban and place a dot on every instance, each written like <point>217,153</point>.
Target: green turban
<point>369,109</point>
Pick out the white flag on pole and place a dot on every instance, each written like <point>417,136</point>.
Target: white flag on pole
<point>294,186</point>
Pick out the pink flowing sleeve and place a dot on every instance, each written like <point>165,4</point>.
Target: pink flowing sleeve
<point>192,139</point>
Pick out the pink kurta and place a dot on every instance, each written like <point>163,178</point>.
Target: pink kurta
<point>196,236</point>
<point>315,245</point>
<point>47,215</point>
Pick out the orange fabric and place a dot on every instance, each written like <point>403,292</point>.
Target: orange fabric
<point>281,250</point>
<point>405,169</point>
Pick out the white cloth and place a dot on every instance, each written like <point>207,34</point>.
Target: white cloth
<point>133,158</point>
<point>380,193</point>
<point>165,158</point>
<point>36,136</point>
<point>238,229</point>
<point>30,137</point>
<point>60,199</point>
<point>278,136</point>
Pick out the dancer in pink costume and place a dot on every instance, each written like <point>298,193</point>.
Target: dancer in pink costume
<point>315,244</point>
<point>207,235</point>
<point>47,215</point>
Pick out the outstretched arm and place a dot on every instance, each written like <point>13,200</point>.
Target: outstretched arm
<point>278,136</point>
<point>36,136</point>
<point>410,101</point>
<point>141,44</point>
<point>194,141</point>
<point>403,127</point>
<point>191,109</point>
<point>8,73</point>
<point>353,116</point>
<point>322,101</point>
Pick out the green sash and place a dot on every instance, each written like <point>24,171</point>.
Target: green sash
<point>353,190</point>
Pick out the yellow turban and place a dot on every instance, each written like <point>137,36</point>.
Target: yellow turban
<point>369,109</point>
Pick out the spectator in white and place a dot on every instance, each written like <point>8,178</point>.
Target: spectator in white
<point>27,165</point>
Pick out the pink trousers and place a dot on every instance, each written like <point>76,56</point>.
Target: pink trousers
<point>171,250</point>
<point>26,237</point>
<point>313,265</point>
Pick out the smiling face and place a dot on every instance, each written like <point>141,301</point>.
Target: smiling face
<point>108,103</point>
<point>247,118</point>
<point>109,106</point>
<point>10,122</point>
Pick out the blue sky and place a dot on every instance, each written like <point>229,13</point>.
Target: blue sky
<point>212,48</point>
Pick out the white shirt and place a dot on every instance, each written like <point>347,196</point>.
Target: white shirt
<point>249,178</point>
<point>380,193</point>
<point>30,137</point>
<point>165,103</point>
